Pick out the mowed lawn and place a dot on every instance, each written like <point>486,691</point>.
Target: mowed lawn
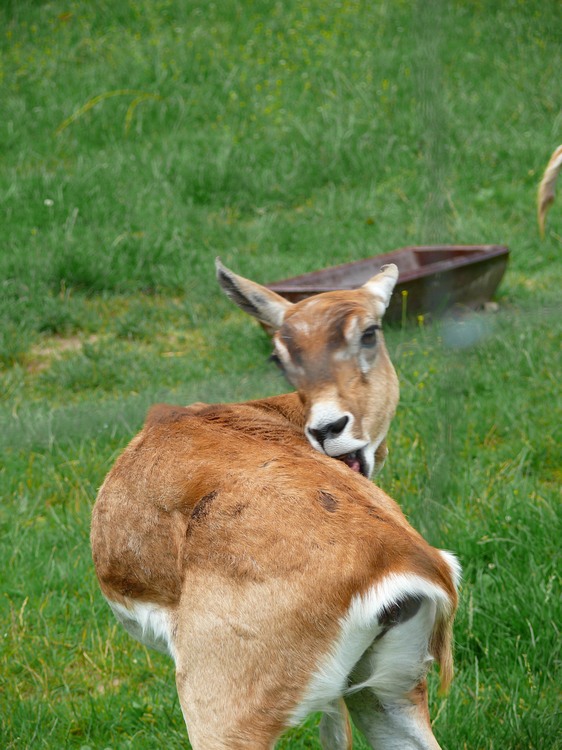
<point>141,138</point>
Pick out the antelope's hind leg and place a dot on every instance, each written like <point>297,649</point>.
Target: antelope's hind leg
<point>217,703</point>
<point>404,725</point>
<point>214,715</point>
<point>389,705</point>
<point>335,728</point>
<point>234,685</point>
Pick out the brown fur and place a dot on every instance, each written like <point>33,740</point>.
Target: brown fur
<point>249,542</point>
<point>226,515</point>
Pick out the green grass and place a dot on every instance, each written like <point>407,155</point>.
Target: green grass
<point>282,137</point>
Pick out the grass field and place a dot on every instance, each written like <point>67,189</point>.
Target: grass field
<point>140,139</point>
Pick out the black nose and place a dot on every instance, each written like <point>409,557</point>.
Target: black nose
<point>331,430</point>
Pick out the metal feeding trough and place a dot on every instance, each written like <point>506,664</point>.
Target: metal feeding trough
<point>432,279</point>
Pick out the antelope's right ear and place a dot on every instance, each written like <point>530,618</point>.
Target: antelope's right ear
<point>269,308</point>
<point>382,285</point>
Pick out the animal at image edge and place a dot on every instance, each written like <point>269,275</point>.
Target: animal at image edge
<point>547,188</point>
<point>280,581</point>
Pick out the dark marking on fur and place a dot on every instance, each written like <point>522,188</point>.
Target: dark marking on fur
<point>215,412</point>
<point>201,510</point>
<point>328,501</point>
<point>399,612</point>
<point>267,463</point>
<point>375,514</point>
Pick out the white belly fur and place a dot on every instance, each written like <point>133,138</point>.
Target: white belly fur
<point>151,624</point>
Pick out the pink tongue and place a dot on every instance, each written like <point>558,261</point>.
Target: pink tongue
<point>353,463</point>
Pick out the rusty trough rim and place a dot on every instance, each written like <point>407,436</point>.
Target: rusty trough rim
<point>312,281</point>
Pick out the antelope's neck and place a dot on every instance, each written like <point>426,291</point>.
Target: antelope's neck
<point>287,406</point>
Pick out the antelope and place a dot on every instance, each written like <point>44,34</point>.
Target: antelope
<point>280,581</point>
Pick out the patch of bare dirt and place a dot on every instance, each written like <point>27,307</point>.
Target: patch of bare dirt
<point>42,354</point>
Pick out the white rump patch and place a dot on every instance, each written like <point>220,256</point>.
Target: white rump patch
<point>148,623</point>
<point>454,566</point>
<point>391,666</point>
<point>396,664</point>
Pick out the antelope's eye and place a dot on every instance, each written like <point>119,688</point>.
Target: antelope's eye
<point>369,336</point>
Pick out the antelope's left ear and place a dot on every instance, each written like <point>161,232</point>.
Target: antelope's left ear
<point>269,308</point>
<point>382,285</point>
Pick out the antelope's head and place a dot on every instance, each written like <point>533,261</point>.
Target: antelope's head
<point>331,349</point>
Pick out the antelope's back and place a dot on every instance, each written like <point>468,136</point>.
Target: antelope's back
<point>238,491</point>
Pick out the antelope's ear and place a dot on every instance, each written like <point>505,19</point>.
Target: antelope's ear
<point>382,285</point>
<point>256,300</point>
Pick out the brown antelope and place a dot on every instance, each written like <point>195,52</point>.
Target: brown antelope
<point>280,581</point>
